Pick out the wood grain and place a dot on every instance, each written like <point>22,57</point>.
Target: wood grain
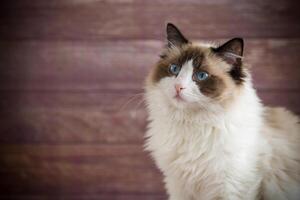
<point>134,19</point>
<point>123,65</point>
<point>77,169</point>
<point>72,118</point>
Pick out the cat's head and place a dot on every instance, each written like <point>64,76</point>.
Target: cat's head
<point>190,75</point>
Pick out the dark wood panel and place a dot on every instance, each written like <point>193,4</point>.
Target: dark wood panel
<point>77,169</point>
<point>287,99</point>
<point>274,63</point>
<point>122,66</point>
<point>90,20</point>
<point>88,118</point>
<point>71,118</point>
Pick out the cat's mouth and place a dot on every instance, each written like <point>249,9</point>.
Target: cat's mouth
<point>179,98</point>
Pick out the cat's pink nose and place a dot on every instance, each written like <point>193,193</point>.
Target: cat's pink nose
<point>178,88</point>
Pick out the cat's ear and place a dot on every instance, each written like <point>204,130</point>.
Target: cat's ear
<point>175,37</point>
<point>231,51</point>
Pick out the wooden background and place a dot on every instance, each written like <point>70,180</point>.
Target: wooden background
<point>68,67</point>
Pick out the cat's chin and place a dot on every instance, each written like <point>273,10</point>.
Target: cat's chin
<point>180,102</point>
<point>177,102</point>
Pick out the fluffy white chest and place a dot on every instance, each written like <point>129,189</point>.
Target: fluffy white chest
<point>204,159</point>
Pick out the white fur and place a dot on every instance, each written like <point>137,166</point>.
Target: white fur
<point>206,151</point>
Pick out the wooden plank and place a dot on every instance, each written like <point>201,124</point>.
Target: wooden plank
<point>88,118</point>
<point>274,63</point>
<point>287,99</point>
<point>77,170</point>
<point>123,65</point>
<point>71,118</point>
<point>98,20</point>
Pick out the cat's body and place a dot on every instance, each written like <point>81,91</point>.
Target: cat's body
<point>218,144</point>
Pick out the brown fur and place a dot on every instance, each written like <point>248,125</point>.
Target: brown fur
<point>204,59</point>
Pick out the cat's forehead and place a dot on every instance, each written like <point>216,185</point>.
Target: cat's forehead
<point>195,53</point>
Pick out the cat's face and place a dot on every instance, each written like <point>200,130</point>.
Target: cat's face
<point>188,75</point>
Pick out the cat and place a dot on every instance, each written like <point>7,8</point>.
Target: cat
<point>208,131</point>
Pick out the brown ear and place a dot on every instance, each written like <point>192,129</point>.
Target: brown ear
<point>174,36</point>
<point>231,51</point>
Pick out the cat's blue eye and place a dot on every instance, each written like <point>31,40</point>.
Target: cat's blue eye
<point>174,69</point>
<point>201,76</point>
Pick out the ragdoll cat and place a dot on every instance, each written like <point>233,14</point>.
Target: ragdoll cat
<point>209,133</point>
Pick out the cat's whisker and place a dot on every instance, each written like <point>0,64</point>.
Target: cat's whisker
<point>141,102</point>
<point>192,95</point>
<point>131,99</point>
<point>135,109</point>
